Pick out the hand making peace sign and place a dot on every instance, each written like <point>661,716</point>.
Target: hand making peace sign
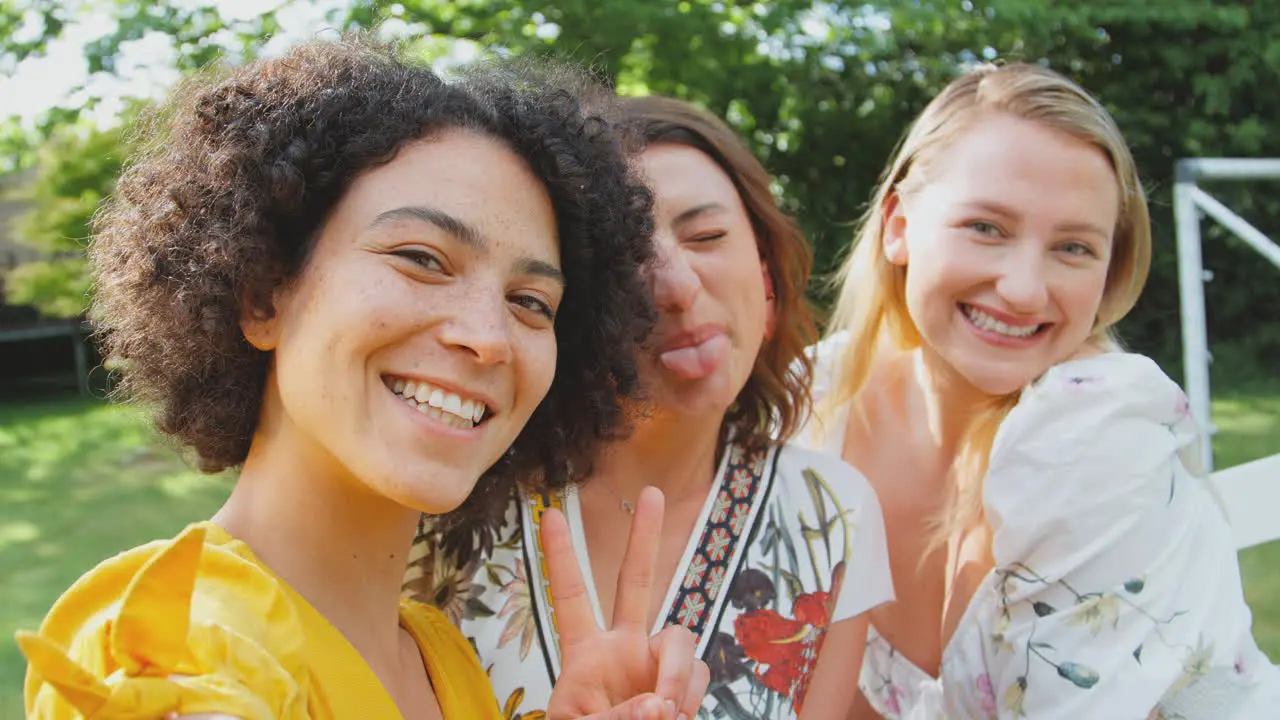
<point>619,673</point>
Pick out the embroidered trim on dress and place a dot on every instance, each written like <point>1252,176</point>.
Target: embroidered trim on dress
<point>738,501</point>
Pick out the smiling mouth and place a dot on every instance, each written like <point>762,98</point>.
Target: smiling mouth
<point>983,321</point>
<point>448,407</point>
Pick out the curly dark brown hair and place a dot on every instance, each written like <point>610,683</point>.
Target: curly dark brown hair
<point>776,398</point>
<point>238,174</point>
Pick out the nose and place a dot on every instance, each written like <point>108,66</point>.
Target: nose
<point>675,284</point>
<point>480,327</point>
<point>1022,282</point>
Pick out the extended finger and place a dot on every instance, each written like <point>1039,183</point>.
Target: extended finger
<point>573,614</point>
<point>635,579</point>
<point>673,649</point>
<point>697,689</point>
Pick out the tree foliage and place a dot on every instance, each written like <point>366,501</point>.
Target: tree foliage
<point>77,168</point>
<point>823,91</point>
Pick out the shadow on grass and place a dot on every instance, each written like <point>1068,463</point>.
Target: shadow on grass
<point>80,480</point>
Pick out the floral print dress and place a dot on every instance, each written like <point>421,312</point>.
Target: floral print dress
<point>1116,589</point>
<point>788,543</point>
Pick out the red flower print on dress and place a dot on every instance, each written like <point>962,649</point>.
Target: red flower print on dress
<point>787,647</point>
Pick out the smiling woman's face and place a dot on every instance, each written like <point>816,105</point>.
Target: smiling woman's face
<point>435,278</point>
<point>1006,245</point>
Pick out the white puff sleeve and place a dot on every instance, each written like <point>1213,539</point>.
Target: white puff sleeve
<point>1117,591</point>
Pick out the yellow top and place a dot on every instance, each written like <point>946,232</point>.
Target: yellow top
<point>198,624</point>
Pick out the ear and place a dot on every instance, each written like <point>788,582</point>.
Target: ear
<point>260,324</point>
<point>771,305</point>
<point>894,238</point>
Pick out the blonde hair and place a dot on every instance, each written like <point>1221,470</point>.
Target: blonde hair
<point>871,305</point>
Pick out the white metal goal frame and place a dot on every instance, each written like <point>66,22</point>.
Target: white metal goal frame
<point>1189,202</point>
<point>1249,492</point>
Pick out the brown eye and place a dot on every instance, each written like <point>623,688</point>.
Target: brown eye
<point>529,302</point>
<point>421,257</point>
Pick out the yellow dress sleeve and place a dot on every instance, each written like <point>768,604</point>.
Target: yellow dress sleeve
<point>179,626</point>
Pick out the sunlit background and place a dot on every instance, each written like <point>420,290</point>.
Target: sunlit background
<point>822,90</point>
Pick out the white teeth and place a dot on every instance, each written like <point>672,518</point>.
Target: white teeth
<point>434,402</point>
<point>986,322</point>
<point>453,404</point>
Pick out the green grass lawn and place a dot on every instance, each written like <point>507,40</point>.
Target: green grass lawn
<point>80,480</point>
<point>1248,421</point>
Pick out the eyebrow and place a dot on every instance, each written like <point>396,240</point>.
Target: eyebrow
<point>697,210</point>
<point>541,268</point>
<point>467,234</point>
<point>1006,211</point>
<point>458,228</point>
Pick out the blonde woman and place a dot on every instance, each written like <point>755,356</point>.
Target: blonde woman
<point>1055,553</point>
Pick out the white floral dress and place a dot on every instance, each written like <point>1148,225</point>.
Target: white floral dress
<point>1116,591</point>
<point>788,543</point>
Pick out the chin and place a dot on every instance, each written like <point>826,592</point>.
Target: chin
<point>435,490</point>
<point>699,399</point>
<point>997,383</point>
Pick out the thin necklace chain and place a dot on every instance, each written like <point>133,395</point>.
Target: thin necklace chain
<point>629,507</point>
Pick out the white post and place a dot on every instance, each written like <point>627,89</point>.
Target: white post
<point>1191,278</point>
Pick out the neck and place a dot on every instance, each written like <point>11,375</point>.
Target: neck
<point>341,546</point>
<point>948,401</point>
<point>676,454</point>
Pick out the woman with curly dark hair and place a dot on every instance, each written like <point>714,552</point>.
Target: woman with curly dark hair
<point>773,555</point>
<point>365,287</point>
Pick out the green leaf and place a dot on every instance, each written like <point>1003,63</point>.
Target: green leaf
<point>476,608</point>
<point>1082,675</point>
<point>814,482</point>
<point>794,587</point>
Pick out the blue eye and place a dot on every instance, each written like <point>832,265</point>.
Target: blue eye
<point>983,227</point>
<point>1079,249</point>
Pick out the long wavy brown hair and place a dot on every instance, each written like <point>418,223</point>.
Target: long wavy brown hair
<point>773,403</point>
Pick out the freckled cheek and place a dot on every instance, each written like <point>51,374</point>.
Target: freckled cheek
<point>539,358</point>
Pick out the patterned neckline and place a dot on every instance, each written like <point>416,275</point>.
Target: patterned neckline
<point>699,589</point>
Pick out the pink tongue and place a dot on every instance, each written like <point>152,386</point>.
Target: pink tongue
<point>697,361</point>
